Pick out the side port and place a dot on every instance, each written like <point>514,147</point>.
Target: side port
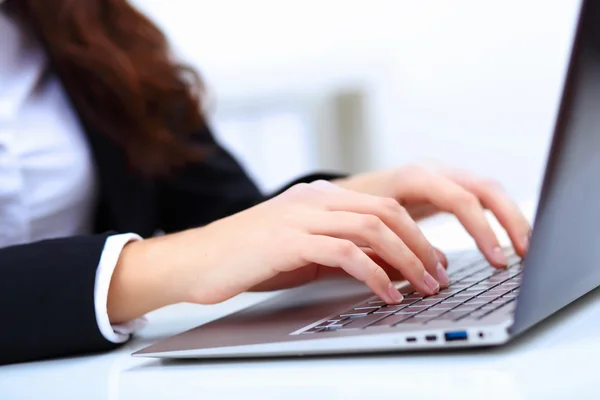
<point>431,338</point>
<point>455,336</point>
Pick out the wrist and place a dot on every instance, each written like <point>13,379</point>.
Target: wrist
<point>139,282</point>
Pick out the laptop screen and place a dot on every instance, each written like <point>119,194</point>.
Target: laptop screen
<point>563,262</point>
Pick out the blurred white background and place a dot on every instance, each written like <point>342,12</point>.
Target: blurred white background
<point>354,85</point>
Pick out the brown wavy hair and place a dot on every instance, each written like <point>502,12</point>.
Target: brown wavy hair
<point>120,72</point>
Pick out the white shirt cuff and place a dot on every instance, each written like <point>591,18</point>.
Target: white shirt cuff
<point>108,261</point>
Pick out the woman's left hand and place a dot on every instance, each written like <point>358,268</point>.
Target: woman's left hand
<point>427,190</point>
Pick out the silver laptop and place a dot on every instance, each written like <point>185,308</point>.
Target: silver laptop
<point>482,306</point>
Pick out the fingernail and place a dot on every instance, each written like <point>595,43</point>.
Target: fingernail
<point>431,283</point>
<point>394,294</point>
<point>442,275</point>
<point>498,256</point>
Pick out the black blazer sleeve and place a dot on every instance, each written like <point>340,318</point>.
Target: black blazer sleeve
<point>213,189</point>
<point>47,299</point>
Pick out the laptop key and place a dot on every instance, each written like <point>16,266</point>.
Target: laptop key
<point>481,287</point>
<point>339,324</point>
<point>391,320</point>
<point>438,296</point>
<point>409,314</point>
<point>497,279</point>
<point>442,307</point>
<point>385,311</point>
<point>495,293</point>
<point>408,301</point>
<point>449,291</point>
<point>471,293</point>
<point>428,314</point>
<point>476,300</point>
<point>367,308</point>
<point>360,323</point>
<point>456,280</point>
<point>461,298</point>
<point>488,296</point>
<point>467,281</point>
<point>480,276</point>
<point>355,314</point>
<point>462,284</point>
<point>451,315</point>
<point>505,288</point>
<point>427,302</point>
<point>452,300</point>
<point>389,309</point>
<point>415,308</point>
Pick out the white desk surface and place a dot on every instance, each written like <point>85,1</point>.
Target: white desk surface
<point>556,360</point>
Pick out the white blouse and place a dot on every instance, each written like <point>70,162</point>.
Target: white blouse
<point>48,184</point>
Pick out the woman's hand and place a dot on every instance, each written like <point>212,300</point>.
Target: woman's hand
<point>427,190</point>
<point>289,240</point>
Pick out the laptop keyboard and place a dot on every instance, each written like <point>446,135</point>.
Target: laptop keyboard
<point>475,291</point>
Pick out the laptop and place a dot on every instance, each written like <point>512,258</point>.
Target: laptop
<point>482,306</point>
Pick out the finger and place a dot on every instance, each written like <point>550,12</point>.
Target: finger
<point>368,230</point>
<point>326,272</point>
<point>451,197</point>
<point>441,256</point>
<point>494,198</point>
<point>421,211</point>
<point>391,272</point>
<point>340,253</point>
<point>399,221</point>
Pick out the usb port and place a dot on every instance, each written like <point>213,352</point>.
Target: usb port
<point>431,338</point>
<point>455,336</point>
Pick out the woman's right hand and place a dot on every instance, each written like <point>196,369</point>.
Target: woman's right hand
<point>283,242</point>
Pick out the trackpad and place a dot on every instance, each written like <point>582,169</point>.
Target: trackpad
<point>274,319</point>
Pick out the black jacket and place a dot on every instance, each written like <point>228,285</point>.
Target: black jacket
<point>47,288</point>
